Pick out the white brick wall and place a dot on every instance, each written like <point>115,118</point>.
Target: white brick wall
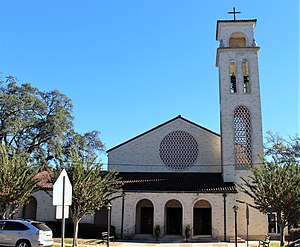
<point>226,29</point>
<point>142,154</point>
<point>257,227</point>
<point>45,210</point>
<point>229,101</point>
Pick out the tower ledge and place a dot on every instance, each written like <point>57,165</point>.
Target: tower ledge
<point>219,22</point>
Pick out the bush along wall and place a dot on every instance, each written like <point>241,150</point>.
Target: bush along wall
<point>85,230</point>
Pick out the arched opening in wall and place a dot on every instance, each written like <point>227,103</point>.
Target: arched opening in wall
<point>100,217</point>
<point>232,71</point>
<point>173,214</point>
<point>237,40</point>
<point>144,217</point>
<point>246,77</point>
<point>242,137</point>
<point>29,210</point>
<point>202,218</point>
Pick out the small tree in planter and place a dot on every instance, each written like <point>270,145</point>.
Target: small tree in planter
<point>187,232</point>
<point>157,231</point>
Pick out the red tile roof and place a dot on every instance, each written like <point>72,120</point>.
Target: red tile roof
<point>45,182</point>
<point>175,182</point>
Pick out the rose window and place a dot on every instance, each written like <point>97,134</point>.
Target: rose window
<point>178,150</point>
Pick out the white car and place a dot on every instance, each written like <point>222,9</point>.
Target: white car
<point>20,233</point>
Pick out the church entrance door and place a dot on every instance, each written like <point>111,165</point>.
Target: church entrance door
<point>202,218</point>
<point>144,217</point>
<point>147,220</point>
<point>174,220</point>
<point>173,210</point>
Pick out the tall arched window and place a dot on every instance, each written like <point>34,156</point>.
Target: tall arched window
<point>242,137</point>
<point>232,71</point>
<point>246,76</point>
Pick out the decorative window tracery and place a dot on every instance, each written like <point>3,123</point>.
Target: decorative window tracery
<point>178,150</point>
<point>242,136</point>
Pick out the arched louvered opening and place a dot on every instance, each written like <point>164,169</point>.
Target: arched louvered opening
<point>246,77</point>
<point>232,71</point>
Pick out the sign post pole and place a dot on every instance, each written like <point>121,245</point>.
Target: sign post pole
<point>247,218</point>
<point>62,197</point>
<point>63,214</point>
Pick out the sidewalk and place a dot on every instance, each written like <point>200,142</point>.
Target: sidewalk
<point>220,244</point>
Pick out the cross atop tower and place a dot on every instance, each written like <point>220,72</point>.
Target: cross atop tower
<point>234,12</point>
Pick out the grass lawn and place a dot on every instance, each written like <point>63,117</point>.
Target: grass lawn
<point>274,244</point>
<point>100,243</point>
<point>69,241</point>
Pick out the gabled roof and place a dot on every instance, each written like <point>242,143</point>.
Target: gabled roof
<point>161,125</point>
<point>175,182</point>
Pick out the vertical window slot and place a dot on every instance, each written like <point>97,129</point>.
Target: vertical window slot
<point>232,77</point>
<point>246,77</point>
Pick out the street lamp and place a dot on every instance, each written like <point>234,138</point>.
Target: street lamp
<point>225,195</point>
<point>247,218</point>
<point>235,209</point>
<point>109,206</point>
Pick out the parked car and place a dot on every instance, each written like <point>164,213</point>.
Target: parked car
<point>294,243</point>
<point>21,233</point>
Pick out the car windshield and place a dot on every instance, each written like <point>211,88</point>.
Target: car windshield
<point>41,226</point>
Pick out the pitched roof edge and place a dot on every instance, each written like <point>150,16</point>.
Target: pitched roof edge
<point>239,20</point>
<point>160,125</point>
<point>199,192</point>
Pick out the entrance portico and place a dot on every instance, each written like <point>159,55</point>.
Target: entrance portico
<point>172,210</point>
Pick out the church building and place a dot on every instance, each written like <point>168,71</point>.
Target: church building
<point>181,175</point>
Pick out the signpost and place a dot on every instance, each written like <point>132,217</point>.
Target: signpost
<point>247,218</point>
<point>62,198</point>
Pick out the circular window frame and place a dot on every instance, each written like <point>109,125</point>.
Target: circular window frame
<point>179,150</point>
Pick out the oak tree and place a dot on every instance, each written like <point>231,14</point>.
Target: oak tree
<point>33,121</point>
<point>274,185</point>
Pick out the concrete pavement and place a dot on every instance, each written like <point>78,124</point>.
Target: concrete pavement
<point>183,244</point>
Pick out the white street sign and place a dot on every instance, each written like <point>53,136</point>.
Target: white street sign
<point>61,185</point>
<point>59,212</point>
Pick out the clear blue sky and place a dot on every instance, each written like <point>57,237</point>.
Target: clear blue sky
<point>130,65</point>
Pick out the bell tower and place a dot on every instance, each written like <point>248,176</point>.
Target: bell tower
<point>239,89</point>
